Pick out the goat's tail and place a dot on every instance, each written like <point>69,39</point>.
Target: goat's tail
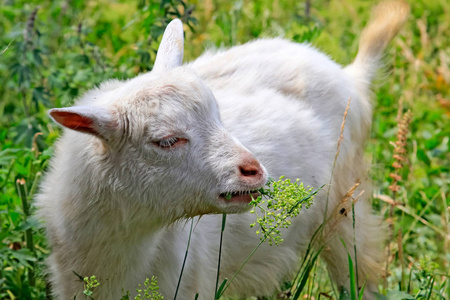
<point>386,21</point>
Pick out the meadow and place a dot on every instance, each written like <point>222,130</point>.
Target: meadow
<point>51,52</point>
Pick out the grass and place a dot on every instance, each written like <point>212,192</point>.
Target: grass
<point>46,64</point>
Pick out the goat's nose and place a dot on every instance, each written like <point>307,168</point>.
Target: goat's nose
<point>250,169</point>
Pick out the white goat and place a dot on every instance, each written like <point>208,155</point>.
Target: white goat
<point>143,153</point>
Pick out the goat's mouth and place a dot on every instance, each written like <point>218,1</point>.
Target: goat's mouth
<point>239,196</point>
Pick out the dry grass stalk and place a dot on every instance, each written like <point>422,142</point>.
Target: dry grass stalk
<point>342,210</point>
<point>399,156</point>
<point>35,147</point>
<point>400,255</point>
<point>388,200</point>
<point>341,135</point>
<point>403,120</point>
<point>424,38</point>
<point>401,206</point>
<point>6,48</point>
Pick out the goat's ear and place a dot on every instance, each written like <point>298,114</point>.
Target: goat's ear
<point>170,52</point>
<point>88,119</point>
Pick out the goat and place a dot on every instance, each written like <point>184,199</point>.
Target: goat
<point>137,155</point>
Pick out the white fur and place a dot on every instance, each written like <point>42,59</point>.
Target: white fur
<point>111,198</point>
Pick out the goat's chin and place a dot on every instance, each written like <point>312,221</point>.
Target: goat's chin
<point>235,208</point>
<point>221,205</point>
<point>237,202</point>
<point>239,197</point>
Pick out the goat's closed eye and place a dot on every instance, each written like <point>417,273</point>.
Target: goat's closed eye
<point>170,142</point>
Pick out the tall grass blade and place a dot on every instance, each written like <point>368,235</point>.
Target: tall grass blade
<point>353,292</point>
<point>13,161</point>
<point>184,261</point>
<point>408,290</point>
<point>220,290</point>
<point>224,220</point>
<point>240,268</point>
<point>354,247</point>
<point>308,250</point>
<point>305,274</point>
<point>361,293</point>
<point>431,288</point>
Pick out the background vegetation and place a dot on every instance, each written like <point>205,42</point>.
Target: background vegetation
<point>53,51</point>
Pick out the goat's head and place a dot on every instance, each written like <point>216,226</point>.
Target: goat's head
<point>162,139</point>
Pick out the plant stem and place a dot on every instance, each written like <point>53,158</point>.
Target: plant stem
<point>400,258</point>
<point>34,185</point>
<point>246,260</point>
<point>308,9</point>
<point>305,273</point>
<point>354,248</point>
<point>20,183</point>
<point>184,261</point>
<point>338,149</point>
<point>224,219</point>
<point>408,290</point>
<point>391,229</point>
<point>353,287</point>
<point>24,102</point>
<point>13,161</point>
<point>430,288</point>
<point>311,283</point>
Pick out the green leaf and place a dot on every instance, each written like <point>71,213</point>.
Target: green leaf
<point>39,95</point>
<point>82,59</point>
<point>422,156</point>
<point>24,256</point>
<point>219,290</point>
<point>29,223</point>
<point>37,57</point>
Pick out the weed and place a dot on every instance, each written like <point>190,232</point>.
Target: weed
<point>90,283</point>
<point>280,202</point>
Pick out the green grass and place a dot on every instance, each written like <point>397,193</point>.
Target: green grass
<point>69,49</point>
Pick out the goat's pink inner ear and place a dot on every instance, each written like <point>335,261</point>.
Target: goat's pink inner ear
<point>74,121</point>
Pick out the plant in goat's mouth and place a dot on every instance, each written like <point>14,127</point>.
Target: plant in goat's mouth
<point>279,202</point>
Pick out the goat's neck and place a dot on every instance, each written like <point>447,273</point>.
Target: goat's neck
<point>95,204</point>
<point>107,237</point>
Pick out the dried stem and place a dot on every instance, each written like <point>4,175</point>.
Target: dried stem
<point>341,137</point>
<point>403,120</point>
<point>400,257</point>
